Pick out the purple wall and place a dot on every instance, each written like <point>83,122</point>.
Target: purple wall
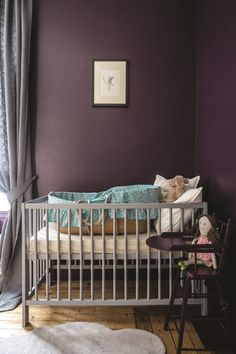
<point>216,111</point>
<point>78,147</point>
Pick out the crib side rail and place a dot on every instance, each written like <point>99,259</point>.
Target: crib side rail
<point>35,204</point>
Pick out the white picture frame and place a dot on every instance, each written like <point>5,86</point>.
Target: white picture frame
<point>110,83</point>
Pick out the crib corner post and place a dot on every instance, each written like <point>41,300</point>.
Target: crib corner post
<point>25,315</point>
<point>25,308</point>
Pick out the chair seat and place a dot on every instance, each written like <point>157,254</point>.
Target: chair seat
<point>201,272</point>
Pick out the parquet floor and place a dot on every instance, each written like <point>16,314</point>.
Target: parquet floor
<point>146,318</point>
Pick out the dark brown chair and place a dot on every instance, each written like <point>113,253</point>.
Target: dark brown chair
<point>202,273</point>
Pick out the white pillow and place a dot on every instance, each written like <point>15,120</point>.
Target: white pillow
<point>193,182</point>
<point>190,196</point>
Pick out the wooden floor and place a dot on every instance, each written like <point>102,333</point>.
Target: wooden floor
<point>146,318</point>
<point>113,317</point>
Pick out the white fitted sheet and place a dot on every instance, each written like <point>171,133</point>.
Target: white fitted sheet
<point>97,243</point>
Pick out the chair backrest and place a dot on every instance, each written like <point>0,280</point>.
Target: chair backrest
<point>223,229</point>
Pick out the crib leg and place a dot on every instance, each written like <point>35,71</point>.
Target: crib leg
<point>25,274</point>
<point>25,308</point>
<point>25,315</point>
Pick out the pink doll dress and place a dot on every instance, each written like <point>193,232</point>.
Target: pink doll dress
<point>206,258</point>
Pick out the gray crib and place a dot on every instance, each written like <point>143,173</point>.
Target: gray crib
<point>49,258</point>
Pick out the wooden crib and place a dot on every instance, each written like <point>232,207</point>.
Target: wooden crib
<point>98,270</point>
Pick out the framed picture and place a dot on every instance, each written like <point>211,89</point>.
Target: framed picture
<point>110,83</point>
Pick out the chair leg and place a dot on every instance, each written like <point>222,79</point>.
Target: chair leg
<point>182,317</point>
<point>224,310</point>
<point>172,299</point>
<point>222,300</point>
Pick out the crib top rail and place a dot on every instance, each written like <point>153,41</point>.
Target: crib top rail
<point>41,203</point>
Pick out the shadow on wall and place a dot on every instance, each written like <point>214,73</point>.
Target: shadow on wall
<point>219,201</point>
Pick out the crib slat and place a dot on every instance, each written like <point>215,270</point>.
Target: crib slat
<point>159,275</point>
<point>69,255</point>
<point>91,259</point>
<point>159,219</point>
<point>30,224</point>
<point>114,254</point>
<point>43,267</point>
<point>103,256</point>
<point>81,258</point>
<point>125,254</point>
<point>193,286</point>
<point>193,213</point>
<point>58,255</point>
<point>40,269</point>
<point>182,220</point>
<point>47,257</point>
<point>170,274</point>
<point>30,275</point>
<point>170,219</point>
<point>40,218</point>
<point>35,254</point>
<point>137,255</point>
<point>148,255</point>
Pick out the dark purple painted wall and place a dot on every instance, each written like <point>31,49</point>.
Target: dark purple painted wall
<point>78,147</point>
<point>216,112</point>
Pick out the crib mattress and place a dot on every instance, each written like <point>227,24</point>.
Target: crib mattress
<point>86,248</point>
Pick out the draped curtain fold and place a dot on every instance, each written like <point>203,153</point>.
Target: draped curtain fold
<point>15,154</point>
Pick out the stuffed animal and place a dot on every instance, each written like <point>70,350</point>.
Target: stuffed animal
<point>206,234</point>
<point>174,188</point>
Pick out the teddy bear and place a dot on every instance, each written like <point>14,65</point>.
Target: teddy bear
<point>174,188</point>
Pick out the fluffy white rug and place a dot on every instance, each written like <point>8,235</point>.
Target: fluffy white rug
<point>83,338</point>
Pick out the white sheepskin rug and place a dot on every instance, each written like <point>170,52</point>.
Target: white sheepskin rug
<point>83,338</point>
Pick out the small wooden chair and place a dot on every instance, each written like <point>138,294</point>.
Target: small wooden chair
<point>202,273</point>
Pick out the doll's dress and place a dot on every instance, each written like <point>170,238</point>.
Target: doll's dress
<point>206,258</point>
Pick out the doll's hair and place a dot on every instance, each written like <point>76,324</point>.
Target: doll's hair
<point>213,234</point>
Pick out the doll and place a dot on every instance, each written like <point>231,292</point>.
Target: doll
<point>206,234</point>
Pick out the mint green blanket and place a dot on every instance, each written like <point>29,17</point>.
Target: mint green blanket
<point>124,194</point>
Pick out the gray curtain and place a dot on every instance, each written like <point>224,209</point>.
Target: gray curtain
<point>15,156</point>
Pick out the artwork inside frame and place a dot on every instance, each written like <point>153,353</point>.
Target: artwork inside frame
<point>110,83</point>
